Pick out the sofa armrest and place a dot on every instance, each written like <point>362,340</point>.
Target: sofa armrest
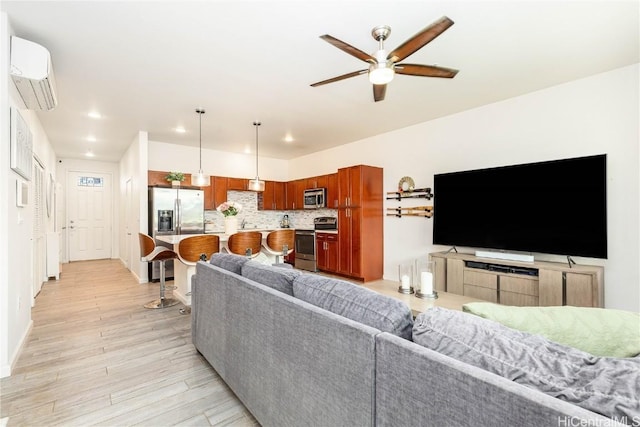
<point>418,386</point>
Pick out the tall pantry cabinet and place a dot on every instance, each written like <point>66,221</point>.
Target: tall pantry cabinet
<point>360,222</point>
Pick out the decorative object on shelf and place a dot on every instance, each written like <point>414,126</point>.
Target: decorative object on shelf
<point>200,179</point>
<point>416,193</point>
<point>423,211</point>
<point>425,278</point>
<point>175,178</point>
<point>256,184</point>
<point>405,276</point>
<point>406,184</point>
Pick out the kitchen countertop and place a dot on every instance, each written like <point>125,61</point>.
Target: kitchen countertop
<point>176,238</point>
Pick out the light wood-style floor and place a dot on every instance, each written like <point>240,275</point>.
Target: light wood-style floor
<point>95,356</point>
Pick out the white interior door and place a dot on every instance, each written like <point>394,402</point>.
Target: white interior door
<point>39,250</point>
<point>127,228</point>
<point>89,215</point>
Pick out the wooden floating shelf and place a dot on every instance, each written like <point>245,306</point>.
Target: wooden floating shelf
<point>418,193</point>
<point>423,211</point>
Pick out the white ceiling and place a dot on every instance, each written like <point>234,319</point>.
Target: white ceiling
<point>148,66</point>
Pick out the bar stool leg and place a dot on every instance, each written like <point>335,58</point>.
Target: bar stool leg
<point>162,302</point>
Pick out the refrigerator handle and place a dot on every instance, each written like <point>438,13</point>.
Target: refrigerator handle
<point>176,217</point>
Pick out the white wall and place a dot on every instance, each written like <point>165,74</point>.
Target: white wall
<point>133,168</point>
<point>16,223</point>
<point>171,157</point>
<point>594,115</point>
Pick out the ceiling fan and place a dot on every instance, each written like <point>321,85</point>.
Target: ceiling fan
<point>383,66</point>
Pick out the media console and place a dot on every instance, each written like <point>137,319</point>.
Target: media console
<point>537,283</point>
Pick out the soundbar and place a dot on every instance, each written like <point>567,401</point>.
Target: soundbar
<point>500,268</point>
<point>505,255</point>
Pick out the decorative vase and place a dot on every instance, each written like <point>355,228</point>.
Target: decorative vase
<point>175,183</point>
<point>230,225</point>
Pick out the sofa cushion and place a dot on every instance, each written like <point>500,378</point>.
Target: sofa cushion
<point>229,262</point>
<point>599,331</point>
<point>275,277</point>
<point>356,303</point>
<point>609,386</point>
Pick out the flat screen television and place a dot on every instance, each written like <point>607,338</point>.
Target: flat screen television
<point>554,207</point>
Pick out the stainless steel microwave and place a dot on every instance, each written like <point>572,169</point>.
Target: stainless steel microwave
<point>315,198</point>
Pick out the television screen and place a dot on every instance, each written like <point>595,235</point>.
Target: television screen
<point>555,207</point>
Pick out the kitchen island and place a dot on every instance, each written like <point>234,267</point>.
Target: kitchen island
<point>182,273</point>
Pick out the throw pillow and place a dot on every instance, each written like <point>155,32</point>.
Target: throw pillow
<point>356,303</point>
<point>229,262</point>
<point>278,278</point>
<point>609,386</point>
<point>599,331</point>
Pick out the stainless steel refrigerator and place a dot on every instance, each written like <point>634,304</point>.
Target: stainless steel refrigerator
<point>173,211</point>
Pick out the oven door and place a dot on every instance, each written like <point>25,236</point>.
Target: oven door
<point>306,244</point>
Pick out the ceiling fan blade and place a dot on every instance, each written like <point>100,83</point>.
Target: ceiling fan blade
<point>346,47</point>
<point>420,39</point>
<point>378,92</point>
<point>425,70</point>
<point>342,77</point>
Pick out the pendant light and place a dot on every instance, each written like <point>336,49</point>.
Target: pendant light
<point>256,184</point>
<point>200,179</point>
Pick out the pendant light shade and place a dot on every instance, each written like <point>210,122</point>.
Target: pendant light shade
<point>200,179</point>
<point>256,184</point>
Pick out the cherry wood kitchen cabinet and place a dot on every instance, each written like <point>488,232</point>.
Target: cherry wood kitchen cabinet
<point>327,252</point>
<point>157,178</point>
<point>295,194</point>
<point>237,184</point>
<point>273,197</point>
<point>360,222</point>
<point>332,190</point>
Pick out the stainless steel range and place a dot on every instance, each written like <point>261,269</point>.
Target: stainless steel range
<point>306,242</point>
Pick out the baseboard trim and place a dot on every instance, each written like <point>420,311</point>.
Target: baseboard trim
<point>6,370</point>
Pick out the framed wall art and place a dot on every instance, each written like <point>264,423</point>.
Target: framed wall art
<point>21,145</point>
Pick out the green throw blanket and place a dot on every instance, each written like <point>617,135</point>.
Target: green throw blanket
<point>599,331</point>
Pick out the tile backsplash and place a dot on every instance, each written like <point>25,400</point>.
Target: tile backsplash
<point>214,220</point>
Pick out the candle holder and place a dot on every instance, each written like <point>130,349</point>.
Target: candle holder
<point>425,278</point>
<point>405,277</point>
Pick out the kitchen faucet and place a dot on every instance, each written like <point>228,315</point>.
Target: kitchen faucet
<point>243,223</point>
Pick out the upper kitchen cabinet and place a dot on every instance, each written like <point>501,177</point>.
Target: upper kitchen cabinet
<point>273,197</point>
<point>237,184</point>
<point>157,178</point>
<point>360,222</point>
<point>316,182</point>
<point>295,194</point>
<point>332,190</point>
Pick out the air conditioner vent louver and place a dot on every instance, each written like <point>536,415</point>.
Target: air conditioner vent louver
<point>32,74</point>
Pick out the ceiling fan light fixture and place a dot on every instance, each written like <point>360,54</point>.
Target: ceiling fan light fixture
<point>380,74</point>
<point>200,179</point>
<point>256,184</point>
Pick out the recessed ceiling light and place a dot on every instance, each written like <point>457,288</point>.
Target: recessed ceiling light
<point>94,115</point>
<point>89,153</point>
<point>180,129</point>
<point>247,150</point>
<point>288,138</point>
<point>91,138</point>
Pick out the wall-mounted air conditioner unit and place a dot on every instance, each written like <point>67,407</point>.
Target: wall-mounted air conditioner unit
<point>32,74</point>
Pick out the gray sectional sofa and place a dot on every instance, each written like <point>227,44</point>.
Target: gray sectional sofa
<point>300,349</point>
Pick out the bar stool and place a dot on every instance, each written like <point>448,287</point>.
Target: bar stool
<point>280,243</point>
<point>248,243</point>
<point>152,253</point>
<point>191,250</point>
